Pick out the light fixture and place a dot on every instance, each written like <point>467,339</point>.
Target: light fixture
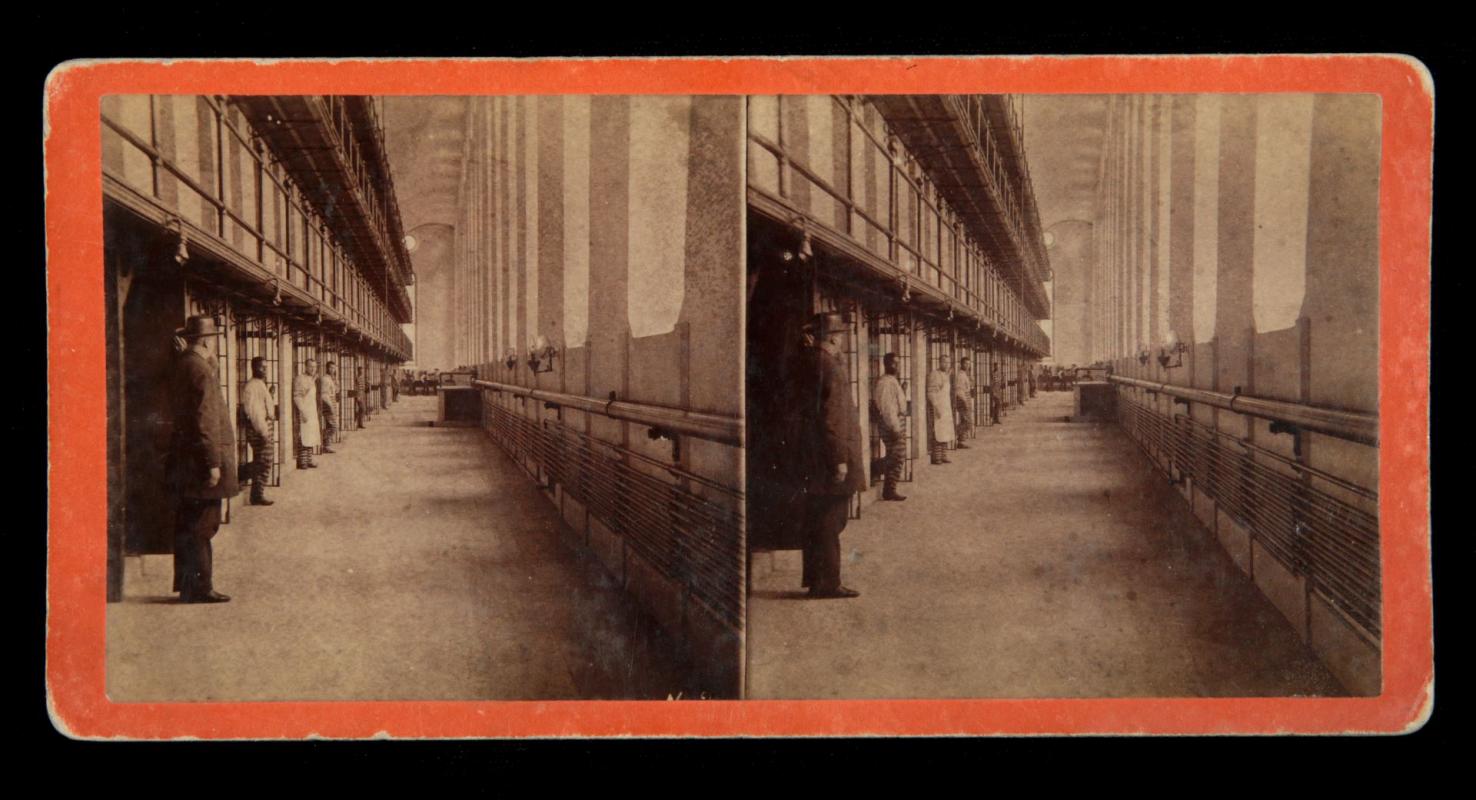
<point>1174,352</point>
<point>181,250</point>
<point>511,358</point>
<point>1143,356</point>
<point>541,355</point>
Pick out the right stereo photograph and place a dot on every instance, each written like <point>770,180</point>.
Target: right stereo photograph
<point>1063,396</point>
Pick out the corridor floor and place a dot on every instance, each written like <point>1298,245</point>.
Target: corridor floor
<point>416,563</point>
<point>1049,560</point>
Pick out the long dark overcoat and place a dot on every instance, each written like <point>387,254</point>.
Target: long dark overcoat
<point>831,432</point>
<point>203,434</point>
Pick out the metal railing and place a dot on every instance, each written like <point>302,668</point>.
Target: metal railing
<point>1350,425</point>
<point>1284,504</point>
<point>712,427</point>
<point>692,540</point>
<point>273,250</point>
<point>971,278</point>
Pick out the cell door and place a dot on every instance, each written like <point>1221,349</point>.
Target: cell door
<point>256,337</point>
<point>890,332</point>
<point>348,367</point>
<point>979,366</point>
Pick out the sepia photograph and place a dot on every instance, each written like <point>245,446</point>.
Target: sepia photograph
<point>1076,396</point>
<point>424,398</point>
<point>743,397</point>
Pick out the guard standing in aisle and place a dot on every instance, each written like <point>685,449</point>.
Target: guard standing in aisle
<point>202,461</point>
<point>831,453</point>
<point>259,410</point>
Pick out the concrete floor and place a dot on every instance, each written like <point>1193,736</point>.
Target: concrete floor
<point>1049,560</point>
<point>416,563</point>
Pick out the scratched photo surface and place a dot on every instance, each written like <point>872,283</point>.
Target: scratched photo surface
<point>424,398</point>
<point>1107,367</point>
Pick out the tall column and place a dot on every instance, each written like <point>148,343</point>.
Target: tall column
<point>1342,281</point>
<point>1236,241</point>
<point>1181,225</point>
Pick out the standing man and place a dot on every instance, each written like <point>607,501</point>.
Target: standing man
<point>940,412</point>
<point>831,453</point>
<point>361,412</point>
<point>996,393</point>
<point>328,403</point>
<point>395,385</point>
<point>963,401</point>
<point>891,405</point>
<point>202,461</point>
<point>259,408</point>
<point>305,404</point>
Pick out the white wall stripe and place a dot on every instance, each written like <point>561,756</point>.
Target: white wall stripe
<point>576,220</point>
<point>1206,214</point>
<point>657,245</point>
<point>1283,167</point>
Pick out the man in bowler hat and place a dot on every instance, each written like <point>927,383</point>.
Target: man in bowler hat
<point>202,460</point>
<point>831,457</point>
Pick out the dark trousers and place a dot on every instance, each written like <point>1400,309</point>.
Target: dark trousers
<point>825,518</point>
<point>994,409</point>
<point>195,523</point>
<point>359,412</point>
<point>896,455</point>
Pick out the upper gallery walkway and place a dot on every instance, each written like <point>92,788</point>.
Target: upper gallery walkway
<point>415,563</point>
<point>1048,560</point>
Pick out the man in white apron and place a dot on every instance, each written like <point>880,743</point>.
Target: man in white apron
<point>940,412</point>
<point>305,404</point>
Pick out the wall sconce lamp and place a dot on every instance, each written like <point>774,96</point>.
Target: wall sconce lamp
<point>541,355</point>
<point>805,250</point>
<point>1143,356</point>
<point>181,250</point>
<point>511,359</point>
<point>1174,353</point>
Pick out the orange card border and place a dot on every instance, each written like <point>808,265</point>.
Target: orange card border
<point>76,575</point>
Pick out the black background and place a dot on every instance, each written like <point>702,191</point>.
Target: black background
<point>43,38</point>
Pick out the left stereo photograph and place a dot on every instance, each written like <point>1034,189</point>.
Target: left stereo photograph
<point>424,398</point>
